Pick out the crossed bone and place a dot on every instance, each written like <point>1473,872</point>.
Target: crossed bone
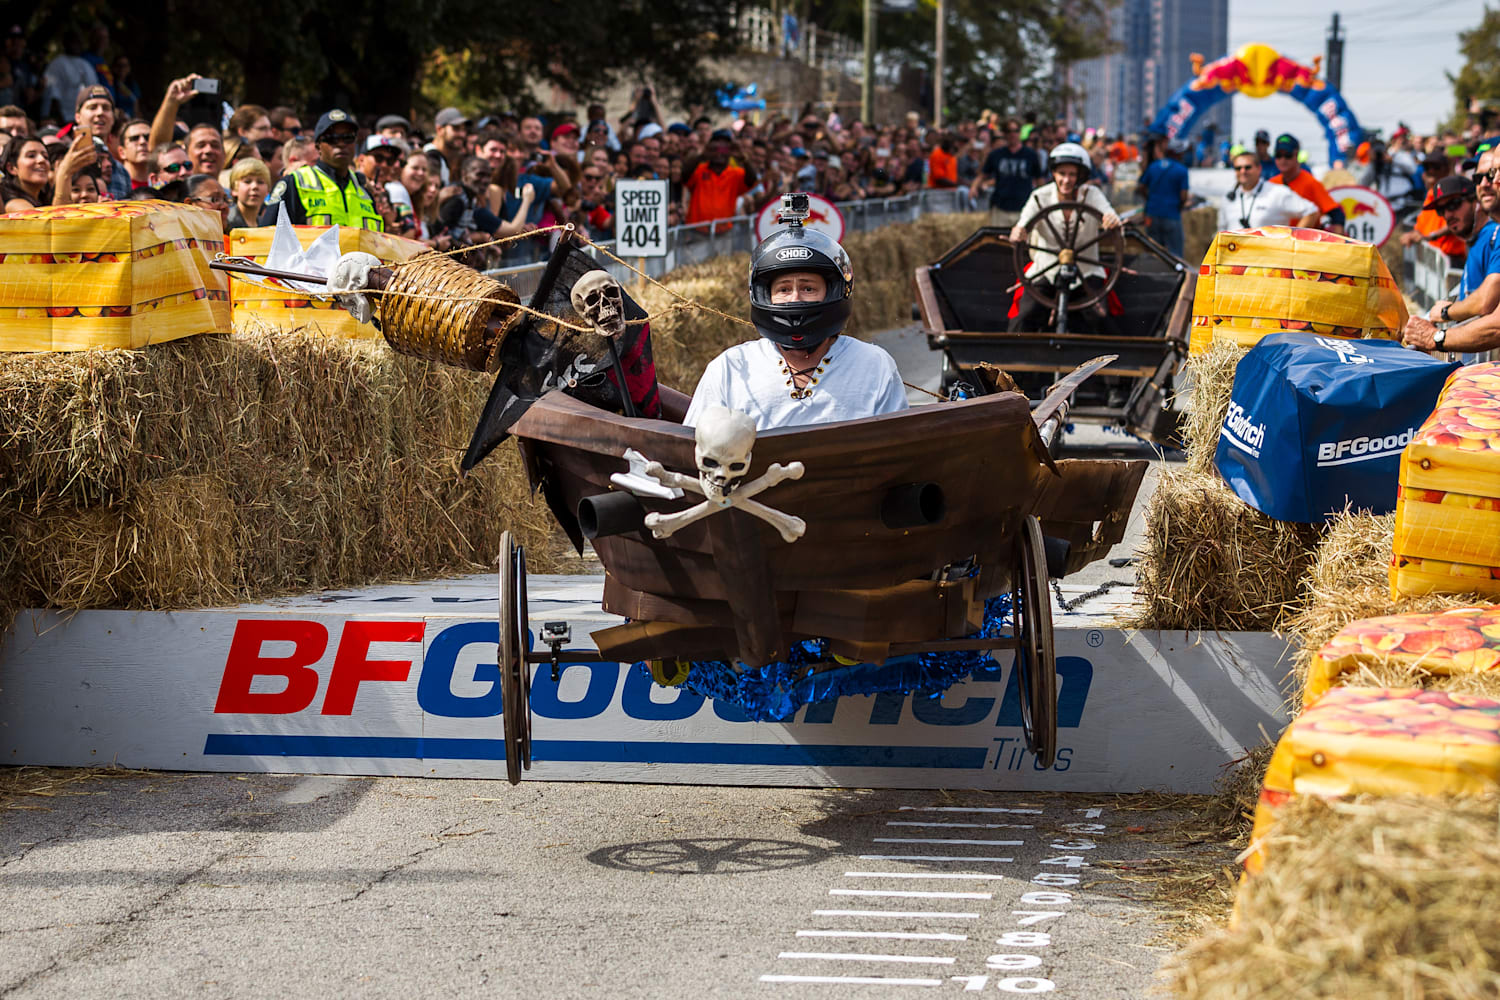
<point>664,525</point>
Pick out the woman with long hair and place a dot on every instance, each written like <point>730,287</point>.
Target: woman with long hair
<point>27,176</point>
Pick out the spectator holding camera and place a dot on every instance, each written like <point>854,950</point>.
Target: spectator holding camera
<point>95,112</point>
<point>714,182</point>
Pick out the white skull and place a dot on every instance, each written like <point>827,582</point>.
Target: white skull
<point>598,298</point>
<point>725,438</point>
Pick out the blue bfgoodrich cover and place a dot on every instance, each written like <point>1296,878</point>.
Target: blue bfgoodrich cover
<point>1318,422</point>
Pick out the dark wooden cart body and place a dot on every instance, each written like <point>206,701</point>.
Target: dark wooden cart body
<point>963,301</point>
<point>728,587</point>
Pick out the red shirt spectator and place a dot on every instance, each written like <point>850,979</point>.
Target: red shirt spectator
<point>942,165</point>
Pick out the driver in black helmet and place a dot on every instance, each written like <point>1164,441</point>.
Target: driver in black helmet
<point>800,371</point>
<point>1070,167</point>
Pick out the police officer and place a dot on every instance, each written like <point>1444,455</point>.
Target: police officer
<point>329,192</point>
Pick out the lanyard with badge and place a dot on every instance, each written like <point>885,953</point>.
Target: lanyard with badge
<point>1245,212</point>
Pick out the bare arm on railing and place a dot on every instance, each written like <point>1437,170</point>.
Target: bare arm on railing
<point>1480,302</point>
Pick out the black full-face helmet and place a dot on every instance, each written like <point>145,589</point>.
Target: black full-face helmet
<point>800,326</point>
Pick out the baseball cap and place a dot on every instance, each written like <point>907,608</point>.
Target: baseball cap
<point>1287,144</point>
<point>377,141</point>
<point>94,93</point>
<point>329,120</point>
<point>721,133</point>
<point>387,121</point>
<point>451,116</point>
<point>799,153</point>
<point>820,154</point>
<point>679,128</point>
<point>647,130</point>
<point>566,128</point>
<point>1454,186</point>
<point>1261,135</point>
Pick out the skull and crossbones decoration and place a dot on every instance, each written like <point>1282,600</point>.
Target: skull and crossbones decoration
<point>724,439</point>
<point>598,298</point>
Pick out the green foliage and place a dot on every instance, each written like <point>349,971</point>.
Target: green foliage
<point>1001,54</point>
<point>1479,79</point>
<point>315,54</point>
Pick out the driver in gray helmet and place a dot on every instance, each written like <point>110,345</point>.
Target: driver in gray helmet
<point>1070,167</point>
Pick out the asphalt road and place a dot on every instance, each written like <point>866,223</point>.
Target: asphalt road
<point>267,886</point>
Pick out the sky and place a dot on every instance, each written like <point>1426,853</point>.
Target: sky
<point>1395,55</point>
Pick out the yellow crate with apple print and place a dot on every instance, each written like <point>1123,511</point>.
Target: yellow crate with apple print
<point>1447,538</point>
<point>1381,741</point>
<point>1255,282</point>
<point>290,310</point>
<point>1457,641</point>
<point>109,275</point>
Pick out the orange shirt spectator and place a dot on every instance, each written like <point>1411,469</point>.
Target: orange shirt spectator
<point>1309,187</point>
<point>714,194</point>
<point>1121,151</point>
<point>942,166</point>
<point>1429,221</point>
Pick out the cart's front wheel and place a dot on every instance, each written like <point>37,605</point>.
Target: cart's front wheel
<point>1036,658</point>
<point>515,672</point>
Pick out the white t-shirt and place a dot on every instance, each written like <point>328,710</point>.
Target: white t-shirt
<point>1266,204</point>
<point>857,380</point>
<point>1043,235</point>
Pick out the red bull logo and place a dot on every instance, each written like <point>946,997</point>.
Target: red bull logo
<point>1255,70</point>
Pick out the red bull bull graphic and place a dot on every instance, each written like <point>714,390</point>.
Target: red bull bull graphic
<point>1257,70</point>
<point>1368,217</point>
<point>823,215</point>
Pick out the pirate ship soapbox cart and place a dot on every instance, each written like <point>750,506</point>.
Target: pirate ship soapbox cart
<point>931,531</point>
<point>967,298</point>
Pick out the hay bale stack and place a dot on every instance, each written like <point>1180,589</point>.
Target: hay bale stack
<point>1199,227</point>
<point>1385,897</point>
<point>1211,561</point>
<point>230,468</point>
<point>684,339</point>
<point>1210,376</point>
<point>1348,581</point>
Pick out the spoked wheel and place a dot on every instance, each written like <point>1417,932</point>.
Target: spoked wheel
<point>515,672</point>
<point>1036,657</point>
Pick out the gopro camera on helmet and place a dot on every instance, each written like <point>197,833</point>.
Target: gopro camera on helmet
<point>795,208</point>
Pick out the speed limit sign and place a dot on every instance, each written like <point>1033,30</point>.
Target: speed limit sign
<point>1368,217</point>
<point>641,218</point>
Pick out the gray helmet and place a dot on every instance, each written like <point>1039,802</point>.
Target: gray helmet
<point>800,325</point>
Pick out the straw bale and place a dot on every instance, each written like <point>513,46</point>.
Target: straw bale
<point>1199,227</point>
<point>1211,381</point>
<point>1348,581</point>
<point>1211,561</point>
<point>1375,897</point>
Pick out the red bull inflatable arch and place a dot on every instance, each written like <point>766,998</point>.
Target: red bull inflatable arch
<point>1258,70</point>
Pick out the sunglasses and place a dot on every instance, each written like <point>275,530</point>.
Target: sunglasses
<point>175,168</point>
<point>1248,166</point>
<point>593,177</point>
<point>1285,156</point>
<point>1487,176</point>
<point>218,200</point>
<point>338,138</point>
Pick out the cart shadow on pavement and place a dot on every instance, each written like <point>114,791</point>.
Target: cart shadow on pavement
<point>708,856</point>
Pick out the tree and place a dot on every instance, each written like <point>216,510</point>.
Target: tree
<point>1001,54</point>
<point>371,57</point>
<point>1479,79</point>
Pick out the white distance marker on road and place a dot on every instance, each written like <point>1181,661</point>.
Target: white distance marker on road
<point>886,935</point>
<point>902,914</point>
<point>911,894</point>
<point>961,826</point>
<point>940,840</point>
<point>945,858</point>
<point>855,980</point>
<point>860,957</point>
<point>921,875</point>
<point>970,809</point>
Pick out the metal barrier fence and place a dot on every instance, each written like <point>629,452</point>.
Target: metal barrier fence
<point>688,245</point>
<point>1428,277</point>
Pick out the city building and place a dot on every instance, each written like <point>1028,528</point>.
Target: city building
<point>1154,42</point>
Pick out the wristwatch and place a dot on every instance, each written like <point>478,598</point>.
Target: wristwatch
<point>1444,313</point>
<point>1440,336</point>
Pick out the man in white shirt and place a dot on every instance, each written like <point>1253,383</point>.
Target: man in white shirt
<point>1071,166</point>
<point>800,371</point>
<point>1255,202</point>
